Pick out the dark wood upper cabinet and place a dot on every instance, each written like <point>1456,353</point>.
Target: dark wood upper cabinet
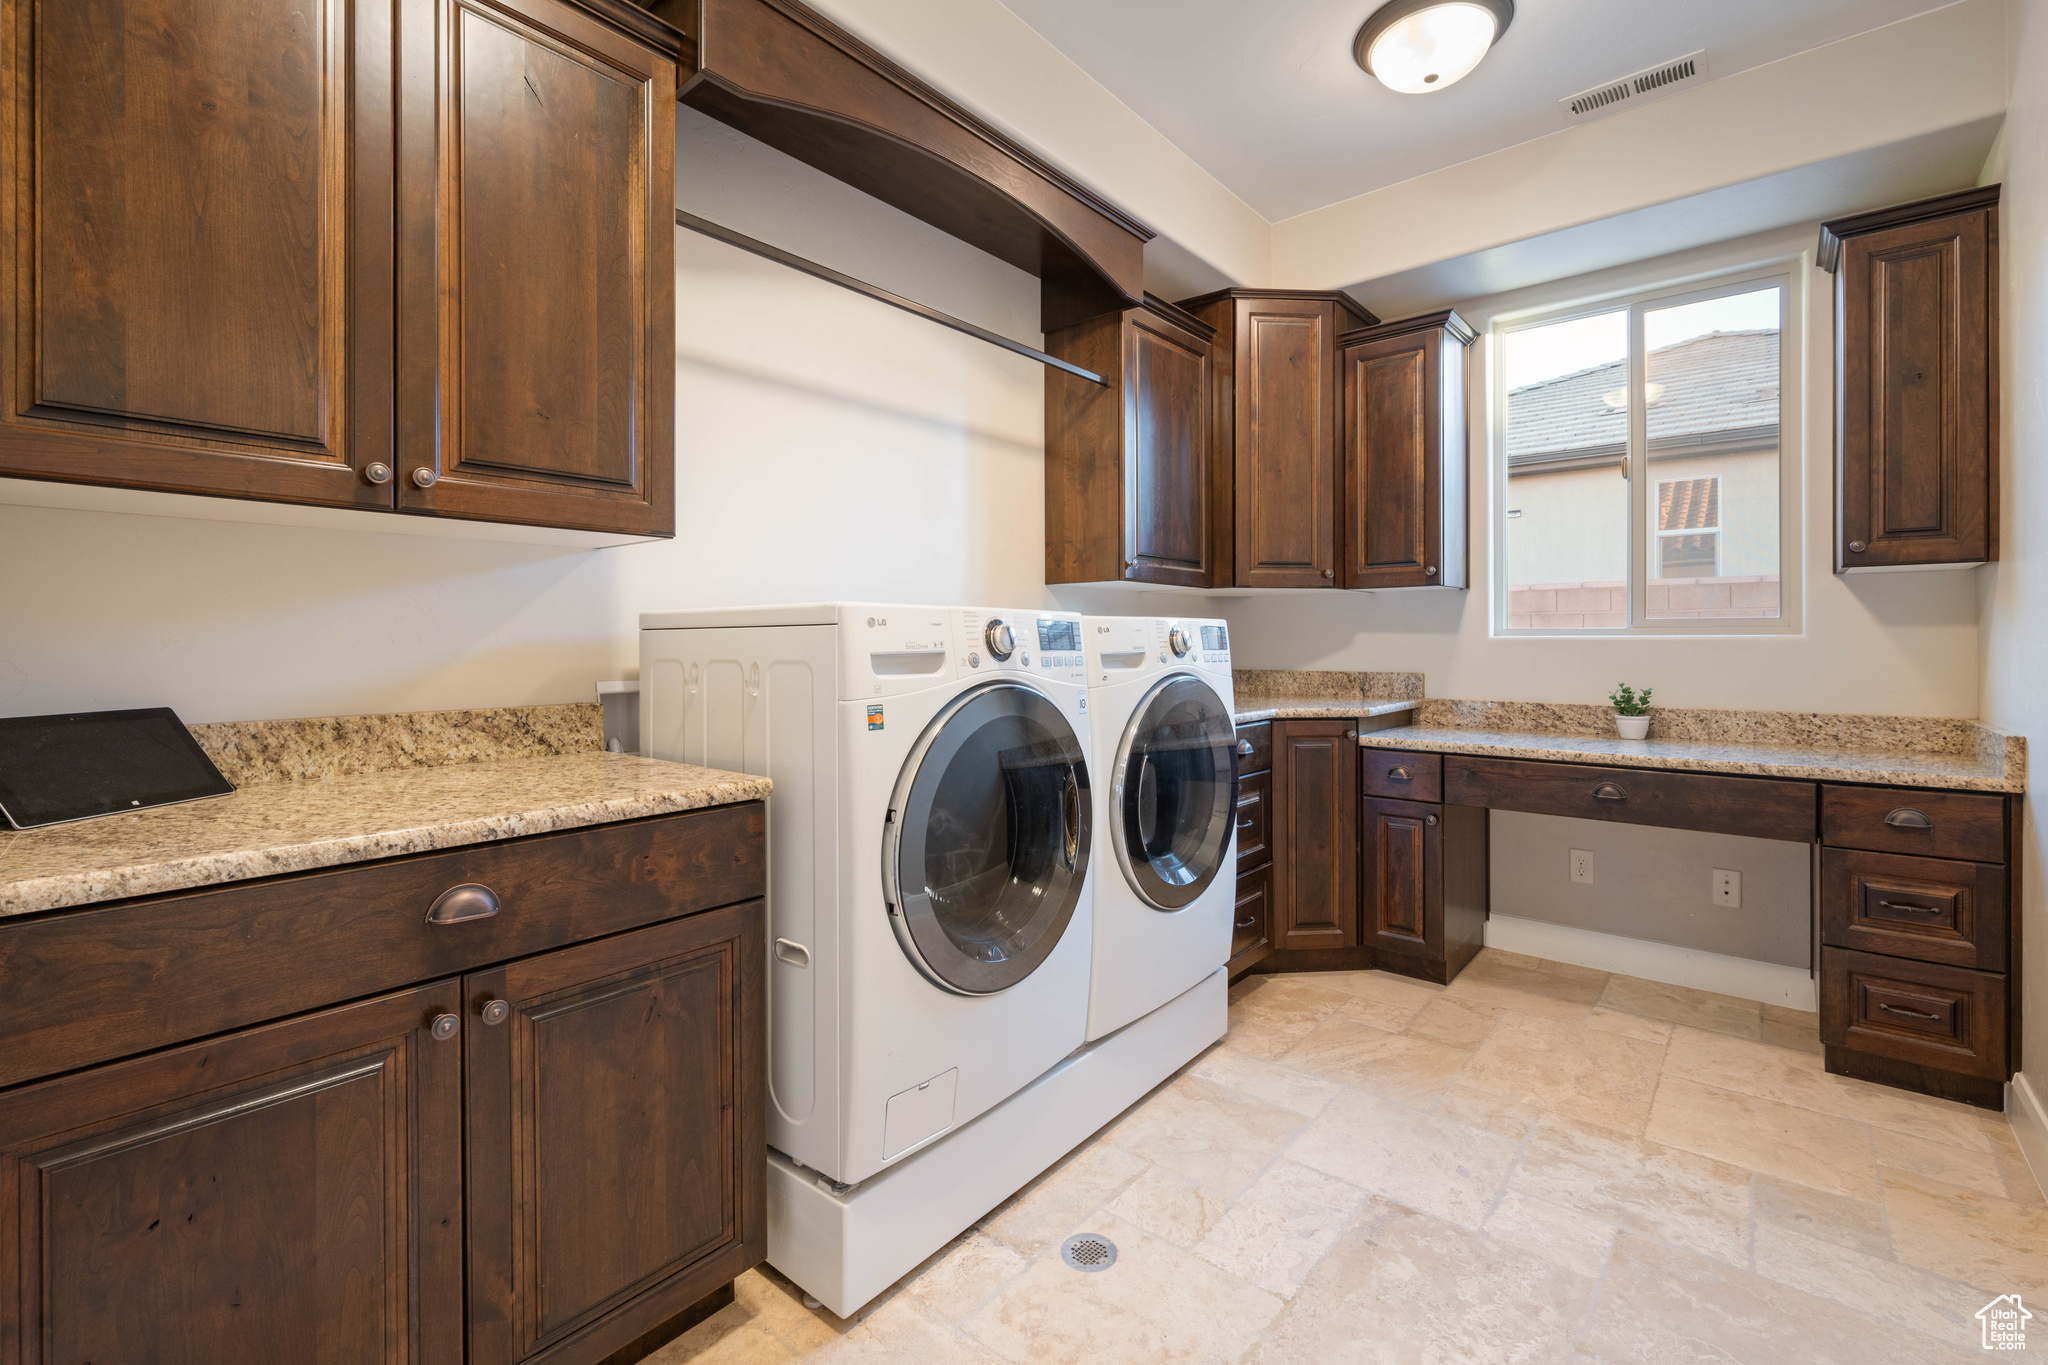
<point>1315,834</point>
<point>1275,428</point>
<point>196,221</point>
<point>1405,454</point>
<point>1131,488</point>
<point>1916,382</point>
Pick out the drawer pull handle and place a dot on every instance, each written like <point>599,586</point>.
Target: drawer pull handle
<point>1910,909</point>
<point>466,902</point>
<point>1907,818</point>
<point>1248,921</point>
<point>1399,775</point>
<point>795,954</point>
<point>1911,1014</point>
<point>1244,746</point>
<point>1607,791</point>
<point>1246,824</point>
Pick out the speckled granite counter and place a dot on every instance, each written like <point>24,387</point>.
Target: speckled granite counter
<point>267,828</point>
<point>1250,709</point>
<point>1321,694</point>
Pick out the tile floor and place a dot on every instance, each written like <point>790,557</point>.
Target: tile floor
<point>1539,1163</point>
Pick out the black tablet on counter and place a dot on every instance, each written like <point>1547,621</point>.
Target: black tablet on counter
<point>55,769</point>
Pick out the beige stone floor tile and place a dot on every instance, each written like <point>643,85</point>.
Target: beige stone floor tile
<point>1662,1305</point>
<point>1939,1161</point>
<point>1049,1208</point>
<point>1796,1078</point>
<point>1406,1287</point>
<point>1169,1206</point>
<point>777,1305</point>
<point>1380,999</point>
<point>728,1337</point>
<point>1528,985</point>
<point>1629,1025</point>
<point>1157,1303</point>
<point>1763,1135</point>
<point>957,1281</point>
<point>1264,1079</point>
<point>1278,1229</point>
<point>1569,1069</point>
<point>1276,1012</point>
<point>1213,1136</point>
<point>902,1333</point>
<point>1426,1161</point>
<point>1577,1241</point>
<point>1684,1005</point>
<point>1878,1287</point>
<point>1453,1022</point>
<point>1969,1236</point>
<point>1639,1186</point>
<point>2020,1185</point>
<point>1411,1070</point>
<point>1796,1030</point>
<point>1496,1113</point>
<point>1857,1224</point>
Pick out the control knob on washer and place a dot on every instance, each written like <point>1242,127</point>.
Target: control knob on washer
<point>1180,642</point>
<point>1002,641</point>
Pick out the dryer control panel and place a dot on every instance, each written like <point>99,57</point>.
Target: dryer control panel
<point>1120,646</point>
<point>992,642</point>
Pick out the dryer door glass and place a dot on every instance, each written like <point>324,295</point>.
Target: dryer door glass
<point>1175,797</point>
<point>987,847</point>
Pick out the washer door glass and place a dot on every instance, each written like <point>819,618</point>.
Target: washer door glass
<point>1176,792</point>
<point>988,842</point>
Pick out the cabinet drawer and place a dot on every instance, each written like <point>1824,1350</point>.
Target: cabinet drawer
<point>1254,747</point>
<point>102,983</point>
<point>1252,926</point>
<point>1897,820</point>
<point>1760,807</point>
<point>1948,1018</point>
<point>1398,776</point>
<point>1928,909</point>
<point>1254,820</point>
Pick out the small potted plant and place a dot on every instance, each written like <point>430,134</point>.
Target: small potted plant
<point>1631,711</point>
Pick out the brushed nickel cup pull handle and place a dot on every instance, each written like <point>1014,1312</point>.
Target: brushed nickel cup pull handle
<point>1607,791</point>
<point>1910,909</point>
<point>1910,1014</point>
<point>496,1011</point>
<point>1244,746</point>
<point>1907,818</point>
<point>1399,775</point>
<point>466,902</point>
<point>444,1027</point>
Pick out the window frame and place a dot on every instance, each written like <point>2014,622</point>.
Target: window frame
<point>1787,275</point>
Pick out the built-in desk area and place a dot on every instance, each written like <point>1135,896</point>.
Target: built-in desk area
<point>1915,948</point>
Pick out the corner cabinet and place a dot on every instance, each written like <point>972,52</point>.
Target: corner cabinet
<point>1405,454</point>
<point>1132,490</point>
<point>399,257</point>
<point>1315,834</point>
<point>1916,383</point>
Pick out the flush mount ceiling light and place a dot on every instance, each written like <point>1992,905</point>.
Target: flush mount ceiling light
<point>1415,46</point>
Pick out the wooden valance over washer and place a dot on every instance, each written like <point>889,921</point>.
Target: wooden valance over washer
<point>784,74</point>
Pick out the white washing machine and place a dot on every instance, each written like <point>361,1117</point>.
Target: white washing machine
<point>1165,767</point>
<point>928,847</point>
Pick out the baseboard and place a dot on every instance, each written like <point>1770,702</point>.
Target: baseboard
<point>2029,1119</point>
<point>1745,978</point>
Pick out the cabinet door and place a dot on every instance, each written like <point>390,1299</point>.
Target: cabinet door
<point>1401,867</point>
<point>537,327</point>
<point>196,224</point>
<point>1916,374</point>
<point>1315,834</point>
<point>617,1156</point>
<point>293,1192</point>
<point>1168,521</point>
<point>1286,419</point>
<point>1404,424</point>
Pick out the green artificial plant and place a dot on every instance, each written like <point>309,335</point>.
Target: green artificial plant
<point>1628,702</point>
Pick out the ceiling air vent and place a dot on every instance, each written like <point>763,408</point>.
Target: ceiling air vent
<point>1642,87</point>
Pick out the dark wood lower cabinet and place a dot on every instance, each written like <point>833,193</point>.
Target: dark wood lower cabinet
<point>1422,886</point>
<point>1315,834</point>
<point>292,1192</point>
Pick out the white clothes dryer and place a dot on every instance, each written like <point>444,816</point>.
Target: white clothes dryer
<point>929,833</point>
<point>1165,751</point>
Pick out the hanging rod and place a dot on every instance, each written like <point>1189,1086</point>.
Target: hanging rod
<point>877,293</point>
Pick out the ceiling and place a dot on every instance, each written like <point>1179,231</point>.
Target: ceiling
<point>1267,98</point>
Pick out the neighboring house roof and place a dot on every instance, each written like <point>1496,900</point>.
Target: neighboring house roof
<point>1711,394</point>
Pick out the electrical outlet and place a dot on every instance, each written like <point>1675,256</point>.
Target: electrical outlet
<point>1582,865</point>
<point>1727,888</point>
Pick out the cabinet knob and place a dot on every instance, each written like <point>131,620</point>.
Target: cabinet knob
<point>466,902</point>
<point>1429,572</point>
<point>377,472</point>
<point>1329,573</point>
<point>1856,547</point>
<point>1351,733</point>
<point>424,477</point>
<point>496,1011</point>
<point>444,1027</point>
<point>1432,819</point>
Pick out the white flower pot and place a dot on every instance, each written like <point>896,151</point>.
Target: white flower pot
<point>1632,727</point>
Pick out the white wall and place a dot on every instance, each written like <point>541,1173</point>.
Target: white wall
<point>2016,589</point>
<point>826,446</point>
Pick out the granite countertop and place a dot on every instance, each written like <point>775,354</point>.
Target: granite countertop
<point>267,828</point>
<point>1250,709</point>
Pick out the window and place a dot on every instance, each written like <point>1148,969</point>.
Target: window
<point>1678,394</point>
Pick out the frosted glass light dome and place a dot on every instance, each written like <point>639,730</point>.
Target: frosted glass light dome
<point>1415,46</point>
